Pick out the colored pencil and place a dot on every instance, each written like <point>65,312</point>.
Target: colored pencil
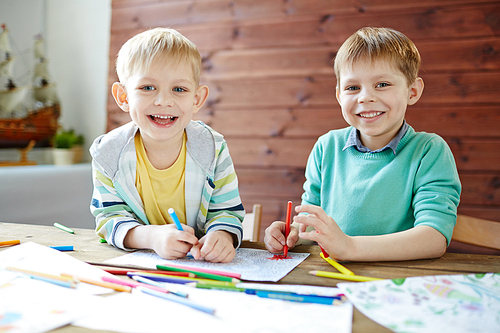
<point>210,286</point>
<point>287,226</point>
<point>54,279</point>
<point>159,285</point>
<point>125,271</point>
<point>63,248</point>
<point>46,275</point>
<point>200,274</point>
<point>178,299</point>
<point>323,252</point>
<point>205,270</point>
<point>10,242</point>
<point>338,266</point>
<point>340,276</point>
<point>64,228</point>
<point>298,298</point>
<point>177,279</point>
<point>174,217</point>
<point>109,285</point>
<point>133,284</point>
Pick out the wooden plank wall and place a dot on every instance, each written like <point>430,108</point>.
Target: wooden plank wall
<point>268,64</point>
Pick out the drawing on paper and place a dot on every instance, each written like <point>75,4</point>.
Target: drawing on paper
<point>252,264</point>
<point>442,303</point>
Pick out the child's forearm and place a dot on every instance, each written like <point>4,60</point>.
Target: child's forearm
<point>421,242</point>
<point>139,237</point>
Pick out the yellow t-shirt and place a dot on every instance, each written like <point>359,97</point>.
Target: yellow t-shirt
<point>161,189</point>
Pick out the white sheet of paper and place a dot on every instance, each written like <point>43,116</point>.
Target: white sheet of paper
<point>32,306</point>
<point>235,312</point>
<point>35,257</point>
<point>252,264</point>
<point>441,303</point>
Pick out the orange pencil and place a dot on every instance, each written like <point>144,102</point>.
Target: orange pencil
<point>109,285</point>
<point>10,242</point>
<point>287,227</point>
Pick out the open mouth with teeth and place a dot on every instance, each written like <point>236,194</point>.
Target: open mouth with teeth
<point>370,114</point>
<point>162,120</point>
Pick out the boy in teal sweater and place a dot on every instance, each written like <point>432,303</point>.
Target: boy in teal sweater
<point>377,190</point>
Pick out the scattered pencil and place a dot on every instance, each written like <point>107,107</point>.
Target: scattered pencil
<point>205,270</point>
<point>10,242</point>
<point>64,228</point>
<point>63,248</point>
<point>340,276</point>
<point>54,279</point>
<point>178,299</point>
<point>109,285</point>
<point>338,266</point>
<point>212,276</point>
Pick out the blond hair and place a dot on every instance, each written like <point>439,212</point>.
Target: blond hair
<point>380,43</point>
<point>156,44</point>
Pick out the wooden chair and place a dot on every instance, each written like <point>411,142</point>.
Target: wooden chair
<point>251,224</point>
<point>476,231</point>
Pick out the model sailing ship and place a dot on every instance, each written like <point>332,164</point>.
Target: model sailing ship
<point>28,113</point>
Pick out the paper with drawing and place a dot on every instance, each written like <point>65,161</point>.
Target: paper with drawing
<point>252,264</point>
<point>442,303</point>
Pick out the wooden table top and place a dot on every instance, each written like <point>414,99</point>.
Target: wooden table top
<point>89,249</point>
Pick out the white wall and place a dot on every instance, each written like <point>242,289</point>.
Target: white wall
<point>77,36</point>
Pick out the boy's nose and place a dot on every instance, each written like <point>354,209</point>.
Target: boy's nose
<point>366,97</point>
<point>164,99</point>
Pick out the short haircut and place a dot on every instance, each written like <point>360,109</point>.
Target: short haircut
<point>380,43</point>
<point>156,44</point>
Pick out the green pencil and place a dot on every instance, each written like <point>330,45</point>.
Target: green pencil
<point>200,274</point>
<point>62,227</point>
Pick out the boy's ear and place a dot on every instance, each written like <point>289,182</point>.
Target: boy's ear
<point>120,96</point>
<point>200,98</point>
<point>337,94</point>
<point>416,90</point>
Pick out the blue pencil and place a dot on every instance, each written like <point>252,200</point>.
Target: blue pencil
<point>174,217</point>
<point>298,298</point>
<point>63,248</point>
<point>158,284</point>
<point>160,278</point>
<point>178,299</point>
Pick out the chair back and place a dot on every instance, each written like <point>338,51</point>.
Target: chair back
<point>251,224</point>
<point>476,231</point>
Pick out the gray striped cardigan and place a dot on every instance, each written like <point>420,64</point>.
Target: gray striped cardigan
<point>211,186</point>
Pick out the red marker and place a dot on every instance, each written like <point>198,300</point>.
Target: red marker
<point>287,228</point>
<point>323,250</point>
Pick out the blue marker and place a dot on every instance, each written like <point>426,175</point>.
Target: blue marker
<point>174,217</point>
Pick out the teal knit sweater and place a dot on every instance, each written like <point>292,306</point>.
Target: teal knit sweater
<point>382,193</point>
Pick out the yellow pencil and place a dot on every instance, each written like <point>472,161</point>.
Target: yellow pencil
<point>340,276</point>
<point>338,266</point>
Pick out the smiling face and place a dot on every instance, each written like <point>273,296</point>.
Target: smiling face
<point>373,96</point>
<point>161,100</point>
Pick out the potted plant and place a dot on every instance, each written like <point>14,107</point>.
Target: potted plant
<point>67,147</point>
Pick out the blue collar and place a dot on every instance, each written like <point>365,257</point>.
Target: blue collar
<point>354,140</point>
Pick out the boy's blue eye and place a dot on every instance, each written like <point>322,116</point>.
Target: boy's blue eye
<point>148,88</point>
<point>383,84</point>
<point>351,88</point>
<point>179,89</point>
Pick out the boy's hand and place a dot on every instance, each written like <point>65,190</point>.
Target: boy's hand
<point>170,243</point>
<point>327,233</point>
<point>274,238</point>
<point>216,246</point>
